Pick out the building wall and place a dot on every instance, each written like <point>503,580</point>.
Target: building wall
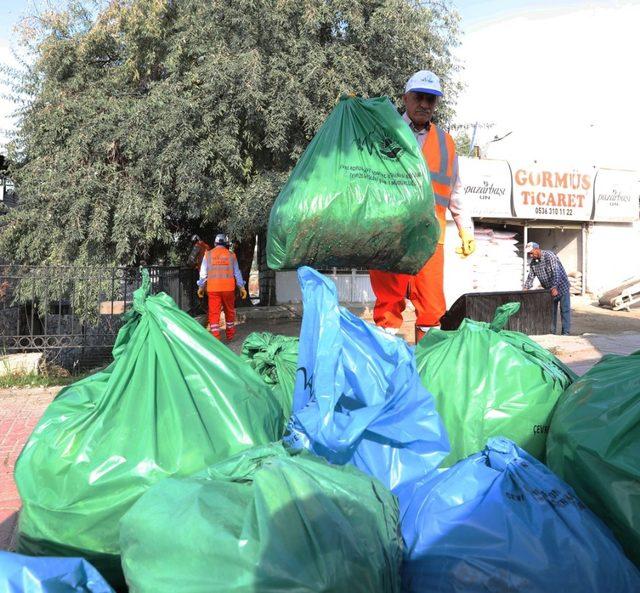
<point>612,255</point>
<point>566,244</point>
<point>352,288</point>
<point>458,272</point>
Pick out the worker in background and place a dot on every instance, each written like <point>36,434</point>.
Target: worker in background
<point>549,270</point>
<point>426,288</point>
<point>220,273</point>
<point>197,252</point>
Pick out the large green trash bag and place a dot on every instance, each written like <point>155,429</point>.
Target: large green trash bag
<point>488,382</point>
<point>174,401</point>
<point>264,522</point>
<point>360,196</point>
<point>594,445</point>
<point>275,359</point>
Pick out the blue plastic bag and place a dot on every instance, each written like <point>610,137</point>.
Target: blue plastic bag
<point>500,521</point>
<point>358,397</point>
<point>25,574</point>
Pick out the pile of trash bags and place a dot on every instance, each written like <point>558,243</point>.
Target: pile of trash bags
<point>400,470</point>
<point>501,521</point>
<point>487,381</point>
<point>173,402</point>
<point>25,574</point>
<point>264,521</point>
<point>275,359</point>
<point>594,444</point>
<point>360,196</point>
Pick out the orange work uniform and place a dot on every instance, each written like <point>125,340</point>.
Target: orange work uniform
<point>197,254</point>
<point>221,285</point>
<point>426,288</point>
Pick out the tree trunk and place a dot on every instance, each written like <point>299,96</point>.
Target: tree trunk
<point>244,251</point>
<point>267,276</point>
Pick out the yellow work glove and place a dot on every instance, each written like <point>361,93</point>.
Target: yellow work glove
<point>200,292</point>
<point>243,293</point>
<point>468,245</point>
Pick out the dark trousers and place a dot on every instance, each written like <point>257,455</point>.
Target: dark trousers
<point>564,302</point>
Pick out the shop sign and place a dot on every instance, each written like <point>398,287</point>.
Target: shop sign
<point>560,193</point>
<point>616,196</point>
<point>487,187</point>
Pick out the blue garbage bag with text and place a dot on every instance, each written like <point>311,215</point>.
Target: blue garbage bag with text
<point>358,397</point>
<point>25,574</point>
<point>500,521</point>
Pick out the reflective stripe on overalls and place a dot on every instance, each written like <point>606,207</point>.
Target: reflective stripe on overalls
<point>439,152</point>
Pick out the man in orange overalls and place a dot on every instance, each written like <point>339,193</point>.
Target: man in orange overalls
<point>426,288</point>
<point>221,274</point>
<point>197,252</point>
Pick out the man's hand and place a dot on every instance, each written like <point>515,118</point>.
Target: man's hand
<point>468,245</point>
<point>243,293</point>
<point>200,292</point>
<point>554,292</point>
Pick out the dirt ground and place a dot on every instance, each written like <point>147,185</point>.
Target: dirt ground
<point>588,318</point>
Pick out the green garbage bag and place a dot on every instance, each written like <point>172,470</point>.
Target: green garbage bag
<point>264,522</point>
<point>275,359</point>
<point>489,382</point>
<point>360,196</point>
<point>594,445</point>
<point>174,401</point>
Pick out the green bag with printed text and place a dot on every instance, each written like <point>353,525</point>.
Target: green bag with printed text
<point>490,382</point>
<point>360,196</point>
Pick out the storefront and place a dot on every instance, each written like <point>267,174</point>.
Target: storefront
<point>587,216</point>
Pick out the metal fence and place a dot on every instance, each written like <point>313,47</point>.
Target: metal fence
<point>72,314</point>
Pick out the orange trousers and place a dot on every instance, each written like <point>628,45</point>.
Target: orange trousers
<point>425,290</point>
<point>219,301</point>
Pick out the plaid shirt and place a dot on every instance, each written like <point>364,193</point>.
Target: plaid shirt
<point>550,272</point>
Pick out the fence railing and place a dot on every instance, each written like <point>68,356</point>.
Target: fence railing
<point>73,313</point>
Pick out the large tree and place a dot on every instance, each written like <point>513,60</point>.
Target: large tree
<point>145,121</point>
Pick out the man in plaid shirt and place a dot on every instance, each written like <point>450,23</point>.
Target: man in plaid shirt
<point>546,266</point>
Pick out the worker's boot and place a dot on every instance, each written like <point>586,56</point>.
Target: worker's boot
<point>214,330</point>
<point>230,331</point>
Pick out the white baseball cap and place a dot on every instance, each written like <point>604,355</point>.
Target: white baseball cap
<point>529,247</point>
<point>424,81</point>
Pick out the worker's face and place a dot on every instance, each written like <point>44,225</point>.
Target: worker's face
<point>535,253</point>
<point>420,107</point>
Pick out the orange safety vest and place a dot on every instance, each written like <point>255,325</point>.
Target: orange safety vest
<point>439,152</point>
<point>220,270</point>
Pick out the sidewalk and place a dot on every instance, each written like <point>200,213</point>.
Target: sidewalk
<point>580,353</point>
<point>20,411</point>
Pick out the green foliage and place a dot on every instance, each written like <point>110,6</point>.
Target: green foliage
<point>145,121</point>
<point>82,288</point>
<point>463,143</point>
<point>28,380</point>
